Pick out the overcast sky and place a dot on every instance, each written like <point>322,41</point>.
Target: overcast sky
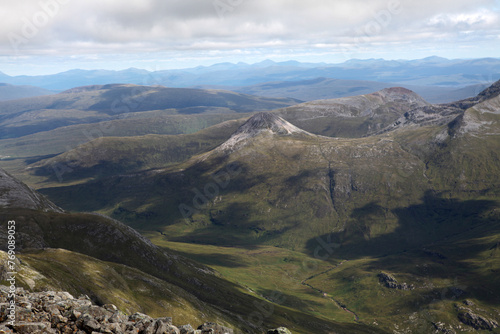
<point>49,36</point>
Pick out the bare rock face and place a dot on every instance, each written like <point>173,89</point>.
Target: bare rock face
<point>441,114</point>
<point>15,194</point>
<point>59,312</point>
<point>264,122</point>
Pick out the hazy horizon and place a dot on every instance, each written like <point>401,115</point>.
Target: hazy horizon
<point>238,63</point>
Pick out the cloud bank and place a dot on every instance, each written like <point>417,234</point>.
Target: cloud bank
<point>337,27</point>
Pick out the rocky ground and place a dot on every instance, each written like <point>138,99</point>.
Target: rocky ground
<point>60,312</point>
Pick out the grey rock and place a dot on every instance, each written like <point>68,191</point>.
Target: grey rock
<point>118,317</point>
<point>186,329</point>
<point>57,312</point>
<point>476,321</point>
<point>390,282</point>
<point>211,327</point>
<point>89,324</point>
<point>280,330</point>
<point>138,316</point>
<point>441,327</point>
<point>33,328</point>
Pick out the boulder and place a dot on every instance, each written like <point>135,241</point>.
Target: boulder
<point>212,327</point>
<point>280,330</point>
<point>186,329</point>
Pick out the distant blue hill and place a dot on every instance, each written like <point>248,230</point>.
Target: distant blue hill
<point>431,71</point>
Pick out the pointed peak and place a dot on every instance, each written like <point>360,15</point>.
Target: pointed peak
<point>263,122</point>
<point>268,121</point>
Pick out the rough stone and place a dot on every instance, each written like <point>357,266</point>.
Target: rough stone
<point>280,330</point>
<point>390,282</point>
<point>186,329</point>
<point>59,313</point>
<point>216,329</point>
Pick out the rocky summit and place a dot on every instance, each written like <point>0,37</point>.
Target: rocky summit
<point>264,122</point>
<point>59,312</point>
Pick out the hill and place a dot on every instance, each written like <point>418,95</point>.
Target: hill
<point>12,92</point>
<point>116,155</point>
<point>415,204</point>
<point>430,71</point>
<point>355,116</point>
<point>61,249</point>
<point>327,88</point>
<point>94,104</point>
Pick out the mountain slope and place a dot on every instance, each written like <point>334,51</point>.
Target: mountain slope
<point>15,194</point>
<point>181,281</point>
<point>101,103</point>
<point>417,205</point>
<point>115,155</point>
<point>12,92</point>
<point>354,116</point>
<point>327,88</point>
<point>376,202</point>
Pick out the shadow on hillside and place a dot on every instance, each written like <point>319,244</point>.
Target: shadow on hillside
<point>213,259</point>
<point>443,239</point>
<point>435,220</point>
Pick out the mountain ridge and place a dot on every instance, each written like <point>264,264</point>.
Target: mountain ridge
<point>457,72</point>
<point>15,194</point>
<point>261,123</point>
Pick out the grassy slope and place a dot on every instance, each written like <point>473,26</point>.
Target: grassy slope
<point>103,103</point>
<point>113,155</point>
<point>106,240</point>
<point>129,289</point>
<point>19,153</point>
<point>395,194</point>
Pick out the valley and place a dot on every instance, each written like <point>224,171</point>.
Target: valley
<point>376,213</point>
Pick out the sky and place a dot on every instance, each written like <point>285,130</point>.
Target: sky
<point>51,36</point>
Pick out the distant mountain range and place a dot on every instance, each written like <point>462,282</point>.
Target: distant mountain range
<point>447,76</point>
<point>402,207</point>
<point>13,92</point>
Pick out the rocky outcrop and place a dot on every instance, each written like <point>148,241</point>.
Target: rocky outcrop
<point>281,330</point>
<point>441,328</point>
<point>476,321</point>
<point>59,312</point>
<point>390,282</point>
<point>264,122</point>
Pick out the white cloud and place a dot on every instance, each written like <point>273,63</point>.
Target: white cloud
<point>135,26</point>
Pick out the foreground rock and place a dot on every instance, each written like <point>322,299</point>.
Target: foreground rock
<point>59,312</point>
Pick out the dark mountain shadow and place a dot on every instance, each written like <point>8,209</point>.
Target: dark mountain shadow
<point>213,259</point>
<point>449,240</point>
<point>434,220</point>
